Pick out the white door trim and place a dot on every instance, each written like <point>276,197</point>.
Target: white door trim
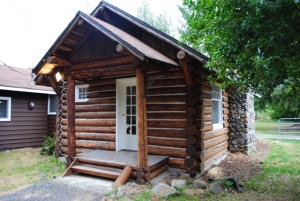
<point>121,142</point>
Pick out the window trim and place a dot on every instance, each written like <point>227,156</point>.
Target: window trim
<point>48,109</point>
<point>77,87</point>
<point>8,108</point>
<point>220,114</point>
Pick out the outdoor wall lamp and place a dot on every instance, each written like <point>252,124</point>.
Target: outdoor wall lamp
<point>58,76</point>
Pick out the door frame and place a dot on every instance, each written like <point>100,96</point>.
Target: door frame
<point>119,95</point>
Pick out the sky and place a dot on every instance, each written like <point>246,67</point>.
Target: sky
<point>28,28</point>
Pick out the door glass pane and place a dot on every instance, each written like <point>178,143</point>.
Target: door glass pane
<point>133,110</point>
<point>133,120</point>
<point>128,110</point>
<point>133,90</point>
<point>127,90</point>
<point>128,120</point>
<point>133,130</point>
<point>133,100</point>
<point>128,100</point>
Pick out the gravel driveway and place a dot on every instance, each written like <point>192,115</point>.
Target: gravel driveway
<point>62,189</point>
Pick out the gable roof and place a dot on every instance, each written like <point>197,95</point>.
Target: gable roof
<point>19,79</point>
<point>75,34</point>
<point>135,46</point>
<point>193,53</point>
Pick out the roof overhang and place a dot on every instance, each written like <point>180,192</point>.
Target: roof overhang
<point>26,90</point>
<point>133,45</point>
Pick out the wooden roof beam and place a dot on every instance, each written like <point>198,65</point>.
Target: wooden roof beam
<point>106,15</point>
<point>53,84</point>
<point>183,57</point>
<point>58,61</point>
<point>120,48</point>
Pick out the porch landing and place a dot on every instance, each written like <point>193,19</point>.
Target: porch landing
<point>120,159</point>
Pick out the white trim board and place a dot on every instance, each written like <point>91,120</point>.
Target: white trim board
<point>27,90</point>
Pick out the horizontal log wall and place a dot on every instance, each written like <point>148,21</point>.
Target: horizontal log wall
<point>166,116</point>
<point>95,124</point>
<point>213,143</point>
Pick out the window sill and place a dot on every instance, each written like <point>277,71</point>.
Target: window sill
<point>217,126</point>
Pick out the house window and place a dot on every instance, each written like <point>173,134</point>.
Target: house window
<point>5,108</point>
<point>81,93</point>
<point>217,107</point>
<point>52,104</point>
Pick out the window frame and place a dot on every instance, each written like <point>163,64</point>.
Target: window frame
<point>8,99</point>
<point>220,112</point>
<point>48,109</point>
<point>77,87</point>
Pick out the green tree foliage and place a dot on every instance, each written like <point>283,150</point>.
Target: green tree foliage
<point>255,43</point>
<point>182,29</point>
<point>161,21</point>
<point>285,102</point>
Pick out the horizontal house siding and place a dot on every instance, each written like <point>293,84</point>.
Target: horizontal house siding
<point>51,120</point>
<point>27,126</point>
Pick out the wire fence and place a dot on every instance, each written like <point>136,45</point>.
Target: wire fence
<point>288,127</point>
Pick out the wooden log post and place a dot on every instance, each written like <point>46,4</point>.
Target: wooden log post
<point>71,117</point>
<point>123,177</point>
<point>142,119</point>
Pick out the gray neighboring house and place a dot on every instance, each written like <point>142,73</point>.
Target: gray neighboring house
<point>27,111</point>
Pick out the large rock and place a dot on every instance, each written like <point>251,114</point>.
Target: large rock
<point>215,188</point>
<point>131,191</point>
<point>215,172</point>
<point>164,190</point>
<point>199,183</point>
<point>194,191</point>
<point>177,183</point>
<point>184,177</point>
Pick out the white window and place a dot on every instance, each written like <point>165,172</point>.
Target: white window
<point>52,104</point>
<point>217,107</point>
<point>5,108</point>
<point>81,93</point>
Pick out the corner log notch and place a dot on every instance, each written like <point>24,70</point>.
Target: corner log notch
<point>181,55</point>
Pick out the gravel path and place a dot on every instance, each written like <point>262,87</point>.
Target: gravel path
<point>52,191</point>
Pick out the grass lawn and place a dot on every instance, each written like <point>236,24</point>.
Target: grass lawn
<point>21,167</point>
<point>265,126</point>
<point>278,180</point>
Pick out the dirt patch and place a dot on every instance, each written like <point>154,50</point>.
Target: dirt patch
<point>241,165</point>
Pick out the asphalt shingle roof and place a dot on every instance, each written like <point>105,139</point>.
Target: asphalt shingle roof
<point>18,78</point>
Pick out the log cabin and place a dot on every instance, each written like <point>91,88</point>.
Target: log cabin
<point>27,111</point>
<point>133,100</point>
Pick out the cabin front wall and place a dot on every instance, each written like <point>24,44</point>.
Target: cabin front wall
<point>179,120</point>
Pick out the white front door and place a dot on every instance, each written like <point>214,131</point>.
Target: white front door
<point>126,118</point>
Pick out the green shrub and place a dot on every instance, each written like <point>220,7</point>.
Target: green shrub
<point>48,146</point>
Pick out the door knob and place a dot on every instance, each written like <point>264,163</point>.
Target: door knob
<point>128,130</point>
